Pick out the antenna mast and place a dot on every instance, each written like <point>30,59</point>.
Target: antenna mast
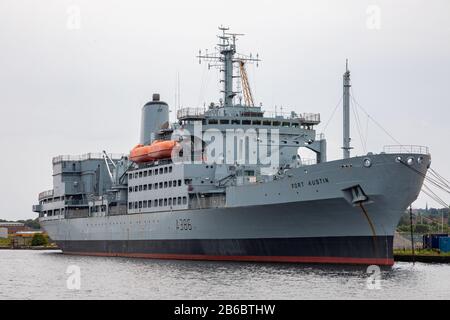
<point>346,104</point>
<point>225,57</point>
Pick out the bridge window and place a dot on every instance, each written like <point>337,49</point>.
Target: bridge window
<point>286,124</point>
<point>256,122</point>
<point>224,121</point>
<point>246,122</point>
<point>266,123</point>
<point>235,121</point>
<point>276,123</point>
<point>212,121</point>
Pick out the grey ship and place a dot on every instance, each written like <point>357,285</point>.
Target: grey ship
<point>199,206</point>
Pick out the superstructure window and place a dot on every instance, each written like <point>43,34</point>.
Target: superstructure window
<point>145,173</point>
<point>179,200</point>
<point>136,175</point>
<point>224,121</point>
<point>150,172</point>
<point>130,176</point>
<point>165,184</point>
<point>166,169</point>
<point>156,202</point>
<point>294,125</point>
<point>276,123</point>
<point>170,184</point>
<point>130,189</point>
<point>286,124</point>
<point>150,186</point>
<point>140,174</point>
<point>266,123</point>
<point>184,200</point>
<point>140,204</point>
<point>160,202</point>
<point>179,183</point>
<point>144,204</point>
<point>160,185</point>
<point>170,169</point>
<point>140,188</point>
<point>235,121</point>
<point>256,122</point>
<point>156,172</point>
<point>170,201</point>
<point>135,205</point>
<point>149,203</point>
<point>160,170</point>
<point>246,122</point>
<point>135,188</point>
<point>156,186</point>
<point>212,121</point>
<point>130,205</point>
<point>144,187</point>
<point>165,201</point>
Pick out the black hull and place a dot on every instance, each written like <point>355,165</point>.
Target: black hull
<point>346,250</point>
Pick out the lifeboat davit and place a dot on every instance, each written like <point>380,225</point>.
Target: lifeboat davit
<point>159,149</point>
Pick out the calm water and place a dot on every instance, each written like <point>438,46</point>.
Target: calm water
<point>42,274</point>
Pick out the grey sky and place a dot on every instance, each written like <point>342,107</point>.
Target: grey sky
<point>65,90</point>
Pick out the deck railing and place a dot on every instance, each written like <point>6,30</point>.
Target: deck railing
<point>406,149</point>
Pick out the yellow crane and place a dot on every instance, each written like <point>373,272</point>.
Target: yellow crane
<point>248,97</point>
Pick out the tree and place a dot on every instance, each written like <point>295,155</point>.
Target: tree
<point>39,240</point>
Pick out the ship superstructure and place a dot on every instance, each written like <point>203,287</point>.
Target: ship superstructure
<point>227,183</point>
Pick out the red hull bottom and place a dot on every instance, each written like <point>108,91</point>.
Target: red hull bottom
<point>286,259</point>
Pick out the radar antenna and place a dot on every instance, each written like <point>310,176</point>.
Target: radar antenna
<point>224,58</point>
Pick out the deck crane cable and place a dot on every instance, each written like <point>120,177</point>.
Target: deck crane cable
<point>358,127</point>
<point>427,190</point>
<point>332,114</point>
<point>439,176</point>
<point>428,179</point>
<point>373,120</point>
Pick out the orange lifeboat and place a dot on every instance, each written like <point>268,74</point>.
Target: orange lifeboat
<point>159,149</point>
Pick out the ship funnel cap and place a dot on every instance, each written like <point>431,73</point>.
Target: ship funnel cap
<point>155,97</point>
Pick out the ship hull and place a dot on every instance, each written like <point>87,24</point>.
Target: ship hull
<point>305,218</point>
<point>335,250</point>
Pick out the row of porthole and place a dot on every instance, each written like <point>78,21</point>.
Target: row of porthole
<point>409,161</point>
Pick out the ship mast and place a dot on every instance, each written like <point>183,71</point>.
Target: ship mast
<point>224,58</point>
<point>346,106</point>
